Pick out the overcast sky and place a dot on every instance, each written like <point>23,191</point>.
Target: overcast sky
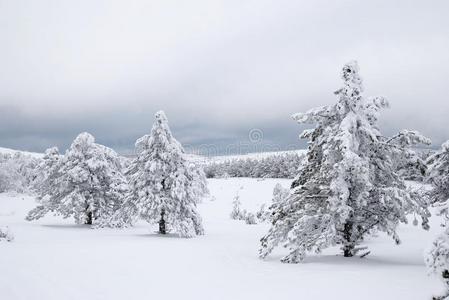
<point>219,69</point>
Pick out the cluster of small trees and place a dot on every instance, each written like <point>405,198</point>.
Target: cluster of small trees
<point>285,165</point>
<point>91,184</point>
<point>18,172</point>
<point>238,213</point>
<point>264,213</point>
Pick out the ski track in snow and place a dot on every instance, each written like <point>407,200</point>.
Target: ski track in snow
<point>55,259</point>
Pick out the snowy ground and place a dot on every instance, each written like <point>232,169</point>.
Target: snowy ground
<point>55,259</point>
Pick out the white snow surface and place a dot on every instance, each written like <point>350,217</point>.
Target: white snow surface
<point>55,259</point>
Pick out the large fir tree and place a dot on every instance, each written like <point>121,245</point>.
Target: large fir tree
<point>165,187</point>
<point>349,186</point>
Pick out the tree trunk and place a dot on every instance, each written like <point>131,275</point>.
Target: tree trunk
<point>348,251</point>
<point>162,229</point>
<point>348,248</point>
<point>89,218</point>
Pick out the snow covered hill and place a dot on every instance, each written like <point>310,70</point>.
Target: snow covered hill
<point>12,152</point>
<point>54,259</point>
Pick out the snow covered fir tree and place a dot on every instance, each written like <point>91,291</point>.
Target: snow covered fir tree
<point>437,258</point>
<point>86,183</point>
<point>349,186</point>
<point>165,187</point>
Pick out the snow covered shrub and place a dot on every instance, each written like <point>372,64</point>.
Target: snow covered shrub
<point>437,258</point>
<point>349,186</point>
<point>250,218</point>
<point>6,234</point>
<point>164,186</point>
<point>86,183</point>
<point>263,214</point>
<point>279,194</point>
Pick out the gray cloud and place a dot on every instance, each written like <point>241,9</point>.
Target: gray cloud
<point>218,68</point>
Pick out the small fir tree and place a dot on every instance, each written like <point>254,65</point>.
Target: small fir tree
<point>237,212</point>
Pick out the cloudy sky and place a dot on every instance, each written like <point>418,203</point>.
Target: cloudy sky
<point>221,70</point>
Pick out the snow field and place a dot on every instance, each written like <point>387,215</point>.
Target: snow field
<point>54,259</point>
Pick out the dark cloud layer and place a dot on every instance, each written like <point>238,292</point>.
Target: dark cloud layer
<point>220,69</point>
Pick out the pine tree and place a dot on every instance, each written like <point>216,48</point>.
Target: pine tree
<point>86,183</point>
<point>437,258</point>
<point>165,187</point>
<point>349,186</point>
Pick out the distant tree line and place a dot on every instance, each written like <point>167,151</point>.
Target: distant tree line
<point>284,165</point>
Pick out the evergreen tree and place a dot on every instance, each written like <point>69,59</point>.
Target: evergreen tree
<point>86,183</point>
<point>164,186</point>
<point>437,258</point>
<point>349,186</point>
